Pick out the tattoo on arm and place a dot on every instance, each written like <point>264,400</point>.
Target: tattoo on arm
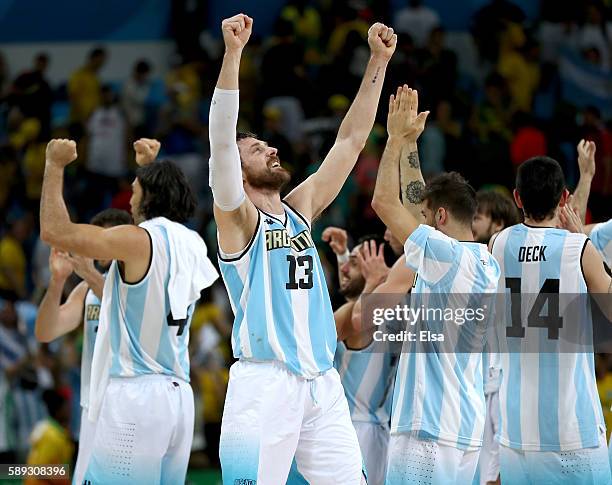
<point>376,75</point>
<point>414,191</point>
<point>413,159</point>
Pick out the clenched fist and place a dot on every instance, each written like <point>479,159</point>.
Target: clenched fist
<point>61,152</point>
<point>236,31</point>
<point>382,40</point>
<point>146,151</point>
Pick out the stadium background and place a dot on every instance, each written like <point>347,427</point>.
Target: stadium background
<point>503,80</point>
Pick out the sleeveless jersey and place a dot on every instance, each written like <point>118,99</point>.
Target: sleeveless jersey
<point>548,397</point>
<point>91,318</point>
<point>279,297</point>
<point>440,393</point>
<point>144,336</point>
<point>367,378</point>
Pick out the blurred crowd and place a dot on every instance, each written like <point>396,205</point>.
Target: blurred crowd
<point>495,99</point>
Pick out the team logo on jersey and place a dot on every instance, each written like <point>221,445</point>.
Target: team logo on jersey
<point>279,238</point>
<point>268,221</point>
<point>92,312</point>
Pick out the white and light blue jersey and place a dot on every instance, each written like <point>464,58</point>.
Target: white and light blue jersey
<point>440,394</point>
<point>144,336</point>
<point>279,297</point>
<point>367,378</point>
<point>601,236</point>
<point>91,319</point>
<point>548,397</point>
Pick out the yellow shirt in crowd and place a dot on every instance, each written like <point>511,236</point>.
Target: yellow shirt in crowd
<point>51,445</point>
<point>84,93</point>
<point>12,260</point>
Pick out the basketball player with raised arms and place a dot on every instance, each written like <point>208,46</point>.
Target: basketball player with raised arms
<point>55,319</point>
<point>551,423</point>
<point>438,409</point>
<point>284,398</point>
<point>140,396</point>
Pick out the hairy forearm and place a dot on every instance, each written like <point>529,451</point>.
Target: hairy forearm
<point>581,195</point>
<point>54,219</point>
<point>228,76</point>
<point>359,119</point>
<point>411,178</point>
<point>95,281</point>
<point>47,318</point>
<point>342,316</point>
<point>386,202</point>
<point>386,190</point>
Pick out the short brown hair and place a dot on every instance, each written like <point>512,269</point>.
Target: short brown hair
<point>451,191</point>
<point>498,206</point>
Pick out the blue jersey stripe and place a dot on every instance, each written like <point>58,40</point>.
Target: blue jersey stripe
<point>256,315</point>
<point>114,325</point>
<point>281,267</point>
<point>513,411</point>
<point>234,284</point>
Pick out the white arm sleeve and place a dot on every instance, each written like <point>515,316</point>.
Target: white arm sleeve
<point>225,172</point>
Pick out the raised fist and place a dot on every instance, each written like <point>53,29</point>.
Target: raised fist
<point>146,151</point>
<point>236,31</point>
<point>61,151</point>
<point>382,40</point>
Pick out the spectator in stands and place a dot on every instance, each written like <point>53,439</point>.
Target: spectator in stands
<point>522,74</point>
<point>596,34</point>
<point>18,364</point>
<point>32,94</point>
<point>13,262</point>
<point>437,68</point>
<point>106,156</point>
<point>306,22</point>
<point>51,441</point>
<point>9,175</point>
<point>491,123</point>
<point>134,98</point>
<point>489,22</point>
<point>417,20</point>
<point>106,129</point>
<point>282,64</point>
<point>594,129</point>
<point>528,141</point>
<point>84,90</point>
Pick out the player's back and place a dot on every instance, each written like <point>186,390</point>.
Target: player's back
<point>145,338</point>
<point>548,395</point>
<point>367,377</point>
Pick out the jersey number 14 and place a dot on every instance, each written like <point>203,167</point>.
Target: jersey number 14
<point>549,293</point>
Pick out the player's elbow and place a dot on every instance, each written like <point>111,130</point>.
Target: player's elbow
<point>53,236</point>
<point>380,204</point>
<point>41,334</point>
<point>48,235</point>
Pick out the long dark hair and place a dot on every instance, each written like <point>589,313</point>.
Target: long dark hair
<point>165,192</point>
